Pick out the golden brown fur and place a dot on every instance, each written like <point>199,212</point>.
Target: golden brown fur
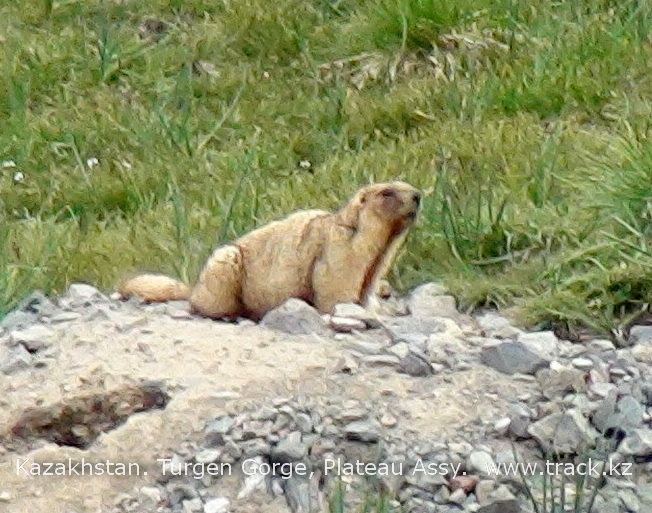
<point>323,258</point>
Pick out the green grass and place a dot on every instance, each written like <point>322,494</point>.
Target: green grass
<point>527,124</point>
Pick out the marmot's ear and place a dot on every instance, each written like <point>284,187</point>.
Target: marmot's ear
<point>350,213</point>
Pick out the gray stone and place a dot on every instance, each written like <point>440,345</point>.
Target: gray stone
<point>429,300</point>
<point>401,350</point>
<point>483,490</point>
<point>638,443</point>
<point>301,494</point>
<point>563,433</point>
<point>346,324</point>
<point>640,335</point>
<point>415,365</point>
<point>207,456</point>
<point>150,496</point>
<point>290,449</point>
<point>642,353</point>
<point>556,383</point>
<point>34,338</point>
<point>14,359</point>
<point>219,505</point>
<point>367,431</point>
<point>582,363</point>
<point>355,311</point>
<point>481,462</point>
<point>65,317</point>
<point>296,317</point>
<point>501,500</point>
<point>217,429</point>
<point>545,344</point>
<point>512,358</point>
<point>520,419</point>
<point>497,326</point>
<point>81,294</point>
<point>427,481</point>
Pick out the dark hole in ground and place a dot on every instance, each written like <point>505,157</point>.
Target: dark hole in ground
<point>79,421</point>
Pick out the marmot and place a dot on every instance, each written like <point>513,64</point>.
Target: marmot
<point>321,257</point>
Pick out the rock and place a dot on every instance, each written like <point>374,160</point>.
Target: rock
<point>643,353</point>
<point>207,456</point>
<point>296,317</point>
<point>415,365</point>
<point>457,497</point>
<point>301,495</point>
<point>367,431</point>
<point>150,495</point>
<point>582,363</point>
<point>563,433</point>
<point>27,312</point>
<point>429,300</point>
<point>481,462</point>
<point>289,449</point>
<point>638,444</point>
<point>429,482</point>
<point>483,490</point>
<point>501,426</point>
<point>80,295</point>
<point>556,383</point>
<point>520,419</point>
<point>14,359</point>
<point>640,335</point>
<point>511,358</point>
<point>545,344</point>
<point>34,338</point>
<point>401,350</point>
<point>216,430</point>
<point>65,317</point>
<point>219,505</point>
<point>346,324</point>
<point>497,326</point>
<point>357,312</point>
<point>501,500</point>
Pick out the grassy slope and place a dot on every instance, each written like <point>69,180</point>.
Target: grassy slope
<point>528,127</point>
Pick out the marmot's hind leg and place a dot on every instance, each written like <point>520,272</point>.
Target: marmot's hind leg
<point>218,291</point>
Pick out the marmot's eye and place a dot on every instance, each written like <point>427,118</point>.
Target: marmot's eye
<point>388,193</point>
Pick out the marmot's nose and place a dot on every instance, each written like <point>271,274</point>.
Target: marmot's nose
<point>416,197</point>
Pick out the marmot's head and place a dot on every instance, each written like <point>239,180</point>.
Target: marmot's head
<point>391,204</point>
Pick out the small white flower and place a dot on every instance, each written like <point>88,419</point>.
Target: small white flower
<point>266,74</point>
<point>8,163</point>
<point>19,177</point>
<point>126,164</point>
<point>92,162</point>
<point>305,164</point>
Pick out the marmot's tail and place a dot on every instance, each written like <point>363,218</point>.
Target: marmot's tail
<point>154,287</point>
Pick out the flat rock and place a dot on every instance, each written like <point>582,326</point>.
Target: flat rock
<point>494,325</point>
<point>564,433</point>
<point>289,449</point>
<point>367,431</point>
<point>33,338</point>
<point>80,295</point>
<point>430,300</point>
<point>640,335</point>
<point>296,317</point>
<point>14,359</point>
<point>355,311</point>
<point>346,324</point>
<point>219,505</point>
<point>415,365</point>
<point>545,344</point>
<point>511,358</point>
<point>638,444</point>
